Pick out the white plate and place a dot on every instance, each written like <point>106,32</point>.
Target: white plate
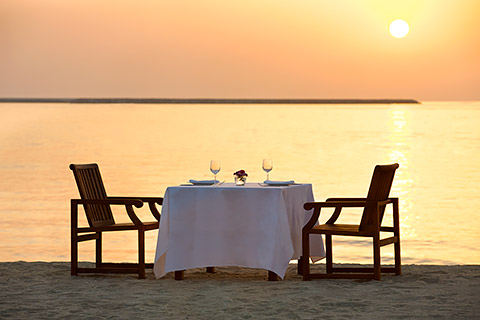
<point>278,183</point>
<point>202,182</point>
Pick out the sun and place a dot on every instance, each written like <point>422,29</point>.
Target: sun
<point>399,28</point>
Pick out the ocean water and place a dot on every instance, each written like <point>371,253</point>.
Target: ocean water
<point>144,148</point>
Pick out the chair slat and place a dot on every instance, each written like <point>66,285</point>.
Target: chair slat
<point>90,186</point>
<point>379,190</point>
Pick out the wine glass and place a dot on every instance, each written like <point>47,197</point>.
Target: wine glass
<point>215,168</point>
<point>267,166</point>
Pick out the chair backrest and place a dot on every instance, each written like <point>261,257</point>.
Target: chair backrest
<point>90,186</point>
<point>380,186</point>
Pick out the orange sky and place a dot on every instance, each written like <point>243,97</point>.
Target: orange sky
<point>239,49</point>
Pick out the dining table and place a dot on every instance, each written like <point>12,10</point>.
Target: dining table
<point>254,225</point>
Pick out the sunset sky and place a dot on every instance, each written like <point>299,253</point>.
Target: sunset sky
<point>239,49</point>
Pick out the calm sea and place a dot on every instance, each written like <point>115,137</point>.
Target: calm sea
<point>144,148</point>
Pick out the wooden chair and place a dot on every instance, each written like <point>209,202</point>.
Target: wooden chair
<point>370,226</point>
<point>97,208</point>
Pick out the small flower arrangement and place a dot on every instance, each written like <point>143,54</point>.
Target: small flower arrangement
<point>240,177</point>
<point>241,173</point>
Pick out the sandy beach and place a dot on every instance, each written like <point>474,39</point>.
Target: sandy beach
<point>45,290</point>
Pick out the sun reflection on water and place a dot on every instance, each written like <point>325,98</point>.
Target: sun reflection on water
<point>400,141</point>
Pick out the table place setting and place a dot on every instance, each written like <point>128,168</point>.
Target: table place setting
<point>273,183</point>
<point>240,177</point>
<point>267,166</point>
<point>203,182</point>
<point>215,167</point>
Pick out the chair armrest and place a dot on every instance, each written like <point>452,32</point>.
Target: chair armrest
<point>396,217</point>
<point>128,203</point>
<point>338,205</point>
<point>385,202</point>
<point>346,199</point>
<point>333,204</point>
<point>151,203</point>
<point>158,200</point>
<point>115,201</point>
<point>387,229</point>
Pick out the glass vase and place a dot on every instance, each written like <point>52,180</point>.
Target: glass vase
<point>240,181</point>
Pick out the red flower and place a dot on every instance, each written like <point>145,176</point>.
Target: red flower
<point>241,173</point>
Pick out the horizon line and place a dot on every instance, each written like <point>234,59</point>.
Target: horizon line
<point>208,101</point>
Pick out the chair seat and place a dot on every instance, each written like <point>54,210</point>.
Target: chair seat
<point>150,225</point>
<point>340,229</point>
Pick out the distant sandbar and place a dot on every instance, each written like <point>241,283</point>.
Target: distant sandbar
<point>207,101</point>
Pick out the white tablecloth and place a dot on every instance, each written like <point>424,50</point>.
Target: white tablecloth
<point>228,225</point>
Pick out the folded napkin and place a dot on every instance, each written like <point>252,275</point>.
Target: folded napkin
<point>278,183</point>
<point>203,182</point>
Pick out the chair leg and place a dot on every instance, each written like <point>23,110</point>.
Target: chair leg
<point>73,239</point>
<point>141,254</point>
<point>329,253</point>
<point>98,250</point>
<point>211,270</point>
<point>74,255</point>
<point>305,256</point>
<point>396,233</point>
<point>377,272</point>
<point>300,266</point>
<point>180,275</point>
<point>272,276</point>
<point>398,261</point>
